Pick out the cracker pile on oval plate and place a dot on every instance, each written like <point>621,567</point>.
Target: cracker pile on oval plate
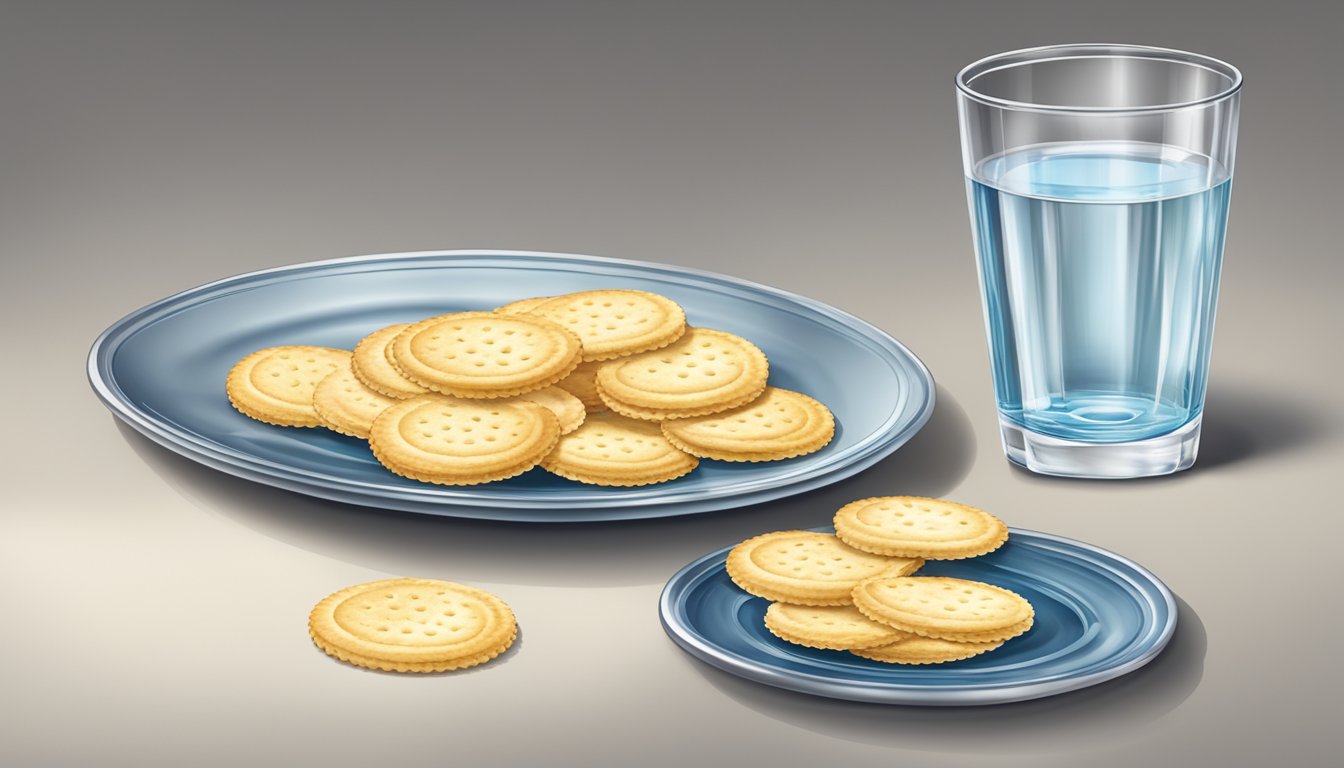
<point>606,387</point>
<point>854,591</point>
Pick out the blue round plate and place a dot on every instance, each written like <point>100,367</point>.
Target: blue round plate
<point>161,369</point>
<point>1098,616</point>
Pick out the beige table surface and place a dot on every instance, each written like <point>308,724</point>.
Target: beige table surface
<point>154,609</point>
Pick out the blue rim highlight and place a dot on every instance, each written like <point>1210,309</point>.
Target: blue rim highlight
<point>1098,616</point>
<point>907,390</point>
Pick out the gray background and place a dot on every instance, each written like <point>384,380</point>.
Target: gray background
<point>154,609</point>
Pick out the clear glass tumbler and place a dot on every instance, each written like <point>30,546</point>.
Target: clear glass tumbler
<point>1098,179</point>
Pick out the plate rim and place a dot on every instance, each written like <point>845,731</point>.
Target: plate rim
<point>880,443</point>
<point>971,694</point>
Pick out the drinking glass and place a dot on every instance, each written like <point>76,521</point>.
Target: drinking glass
<point>1098,178</point>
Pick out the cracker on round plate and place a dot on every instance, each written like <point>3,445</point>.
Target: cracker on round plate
<point>346,406</point>
<point>838,627</point>
<point>780,424</point>
<point>914,526</point>
<point>373,366</point>
<point>703,372</point>
<point>276,384</point>
<point>945,607</point>
<point>807,567</point>
<point>610,449</point>
<point>616,322</point>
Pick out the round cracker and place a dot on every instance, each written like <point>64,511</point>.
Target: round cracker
<point>568,409</point>
<point>807,567</point>
<point>276,384</point>
<point>412,625</point>
<point>485,354</point>
<point>924,650</point>
<point>450,441</point>
<point>582,383</point>
<point>945,607</point>
<point>345,405</point>
<point>610,449</point>
<point>616,322</point>
<point>705,371</point>
<point>780,424</point>
<point>374,367</point>
<point>837,627</point>
<point>523,305</point>
<point>914,526</point>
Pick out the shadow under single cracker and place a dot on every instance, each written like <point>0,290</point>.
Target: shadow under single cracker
<point>1082,720</point>
<point>622,553</point>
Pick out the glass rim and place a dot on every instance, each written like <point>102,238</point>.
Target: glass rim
<point>1022,56</point>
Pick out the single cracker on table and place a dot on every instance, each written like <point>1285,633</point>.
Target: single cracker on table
<point>568,409</point>
<point>945,607</point>
<point>450,441</point>
<point>346,406</point>
<point>412,625</point>
<point>373,366</point>
<point>523,305</point>
<point>780,424</point>
<point>610,449</point>
<point>276,384</point>
<point>837,627</point>
<point>485,354</point>
<point>807,567</point>
<point>616,322</point>
<point>703,372</point>
<point>924,650</point>
<point>582,383</point>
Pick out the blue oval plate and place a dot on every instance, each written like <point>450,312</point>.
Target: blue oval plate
<point>1098,616</point>
<point>161,369</point>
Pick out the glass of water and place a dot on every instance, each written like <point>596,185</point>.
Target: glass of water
<point>1098,179</point>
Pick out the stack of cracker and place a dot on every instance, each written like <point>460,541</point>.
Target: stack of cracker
<point>606,387</point>
<point>853,591</point>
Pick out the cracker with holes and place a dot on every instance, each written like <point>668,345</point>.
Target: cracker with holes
<point>780,424</point>
<point>807,567</point>
<point>485,354</point>
<point>615,323</point>
<point>346,406</point>
<point>924,650</point>
<point>914,526</point>
<point>945,607</point>
<point>412,625</point>
<point>373,366</point>
<point>838,627</point>
<point>612,450</point>
<point>568,409</point>
<point>450,441</point>
<point>276,384</point>
<point>703,372</point>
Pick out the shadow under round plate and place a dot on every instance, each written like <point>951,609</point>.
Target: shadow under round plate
<point>1098,616</point>
<point>161,369</point>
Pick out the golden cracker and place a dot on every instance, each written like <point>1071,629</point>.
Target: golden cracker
<point>450,441</point>
<point>276,384</point>
<point>703,372</point>
<point>616,322</point>
<point>412,625</point>
<point>373,366</point>
<point>582,383</point>
<point>523,305</point>
<point>837,627</point>
<point>807,567</point>
<point>914,526</point>
<point>945,607</point>
<point>345,405</point>
<point>485,354</point>
<point>924,650</point>
<point>568,409</point>
<point>780,424</point>
<point>610,449</point>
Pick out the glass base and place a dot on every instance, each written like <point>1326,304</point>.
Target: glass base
<point>1046,455</point>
